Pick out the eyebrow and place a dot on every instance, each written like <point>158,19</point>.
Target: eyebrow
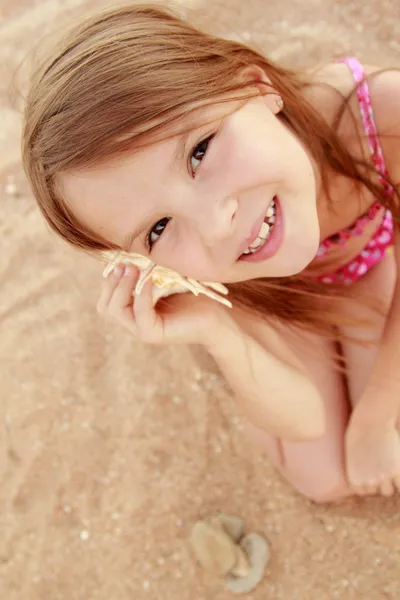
<point>177,158</point>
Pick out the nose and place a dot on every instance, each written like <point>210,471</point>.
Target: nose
<point>216,220</point>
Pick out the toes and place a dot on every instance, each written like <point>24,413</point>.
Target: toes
<point>396,481</point>
<point>362,490</point>
<point>366,489</point>
<point>371,488</point>
<point>387,487</point>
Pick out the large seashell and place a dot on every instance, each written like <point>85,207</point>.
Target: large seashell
<point>166,282</point>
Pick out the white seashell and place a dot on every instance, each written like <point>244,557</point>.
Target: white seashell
<point>166,282</point>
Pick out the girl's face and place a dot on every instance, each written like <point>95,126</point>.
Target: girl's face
<point>196,202</point>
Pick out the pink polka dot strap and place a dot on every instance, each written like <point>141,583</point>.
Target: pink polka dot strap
<point>367,115</point>
<point>383,238</point>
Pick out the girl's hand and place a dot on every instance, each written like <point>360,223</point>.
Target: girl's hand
<point>373,458</point>
<point>178,319</point>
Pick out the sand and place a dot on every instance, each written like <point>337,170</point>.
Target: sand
<point>111,450</point>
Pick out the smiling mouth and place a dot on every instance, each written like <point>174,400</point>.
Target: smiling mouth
<point>265,231</point>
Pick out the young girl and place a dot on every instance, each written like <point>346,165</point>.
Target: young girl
<point>146,135</point>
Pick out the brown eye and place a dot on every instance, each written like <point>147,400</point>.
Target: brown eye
<point>199,153</point>
<point>156,232</point>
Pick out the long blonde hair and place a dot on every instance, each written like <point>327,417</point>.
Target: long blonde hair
<point>123,77</point>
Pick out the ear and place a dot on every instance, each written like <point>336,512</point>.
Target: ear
<point>255,76</point>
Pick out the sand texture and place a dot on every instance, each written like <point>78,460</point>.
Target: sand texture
<point>109,450</point>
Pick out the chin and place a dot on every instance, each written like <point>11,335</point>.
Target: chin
<point>294,257</point>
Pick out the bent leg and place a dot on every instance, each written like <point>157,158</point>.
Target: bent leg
<point>316,468</point>
<point>379,284</point>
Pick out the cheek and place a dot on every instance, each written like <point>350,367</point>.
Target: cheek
<point>264,155</point>
<point>249,162</point>
<point>186,255</point>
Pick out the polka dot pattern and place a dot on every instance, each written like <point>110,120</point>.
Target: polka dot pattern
<point>383,239</point>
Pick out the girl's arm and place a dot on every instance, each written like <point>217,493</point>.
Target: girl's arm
<point>385,96</point>
<point>386,368</point>
<point>273,394</point>
<point>273,391</point>
<point>372,437</point>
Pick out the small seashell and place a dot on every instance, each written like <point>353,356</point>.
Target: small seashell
<point>221,549</point>
<point>257,551</point>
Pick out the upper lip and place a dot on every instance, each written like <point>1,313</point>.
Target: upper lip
<point>254,231</point>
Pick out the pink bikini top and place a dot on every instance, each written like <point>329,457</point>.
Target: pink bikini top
<point>377,247</point>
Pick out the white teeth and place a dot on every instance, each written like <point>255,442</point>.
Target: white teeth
<point>270,216</point>
<point>256,244</point>
<point>261,238</point>
<point>264,230</point>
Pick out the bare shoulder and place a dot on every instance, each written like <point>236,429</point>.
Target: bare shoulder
<point>384,88</point>
<point>269,334</point>
<point>333,83</point>
<point>384,84</point>
<point>307,352</point>
<point>289,344</point>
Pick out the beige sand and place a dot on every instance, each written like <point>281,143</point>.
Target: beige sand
<point>109,450</point>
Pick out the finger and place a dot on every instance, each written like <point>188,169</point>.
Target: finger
<point>148,322</point>
<point>386,487</point>
<point>121,303</point>
<point>108,288</point>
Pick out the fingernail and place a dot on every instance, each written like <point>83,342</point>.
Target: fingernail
<point>128,271</point>
<point>117,271</point>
